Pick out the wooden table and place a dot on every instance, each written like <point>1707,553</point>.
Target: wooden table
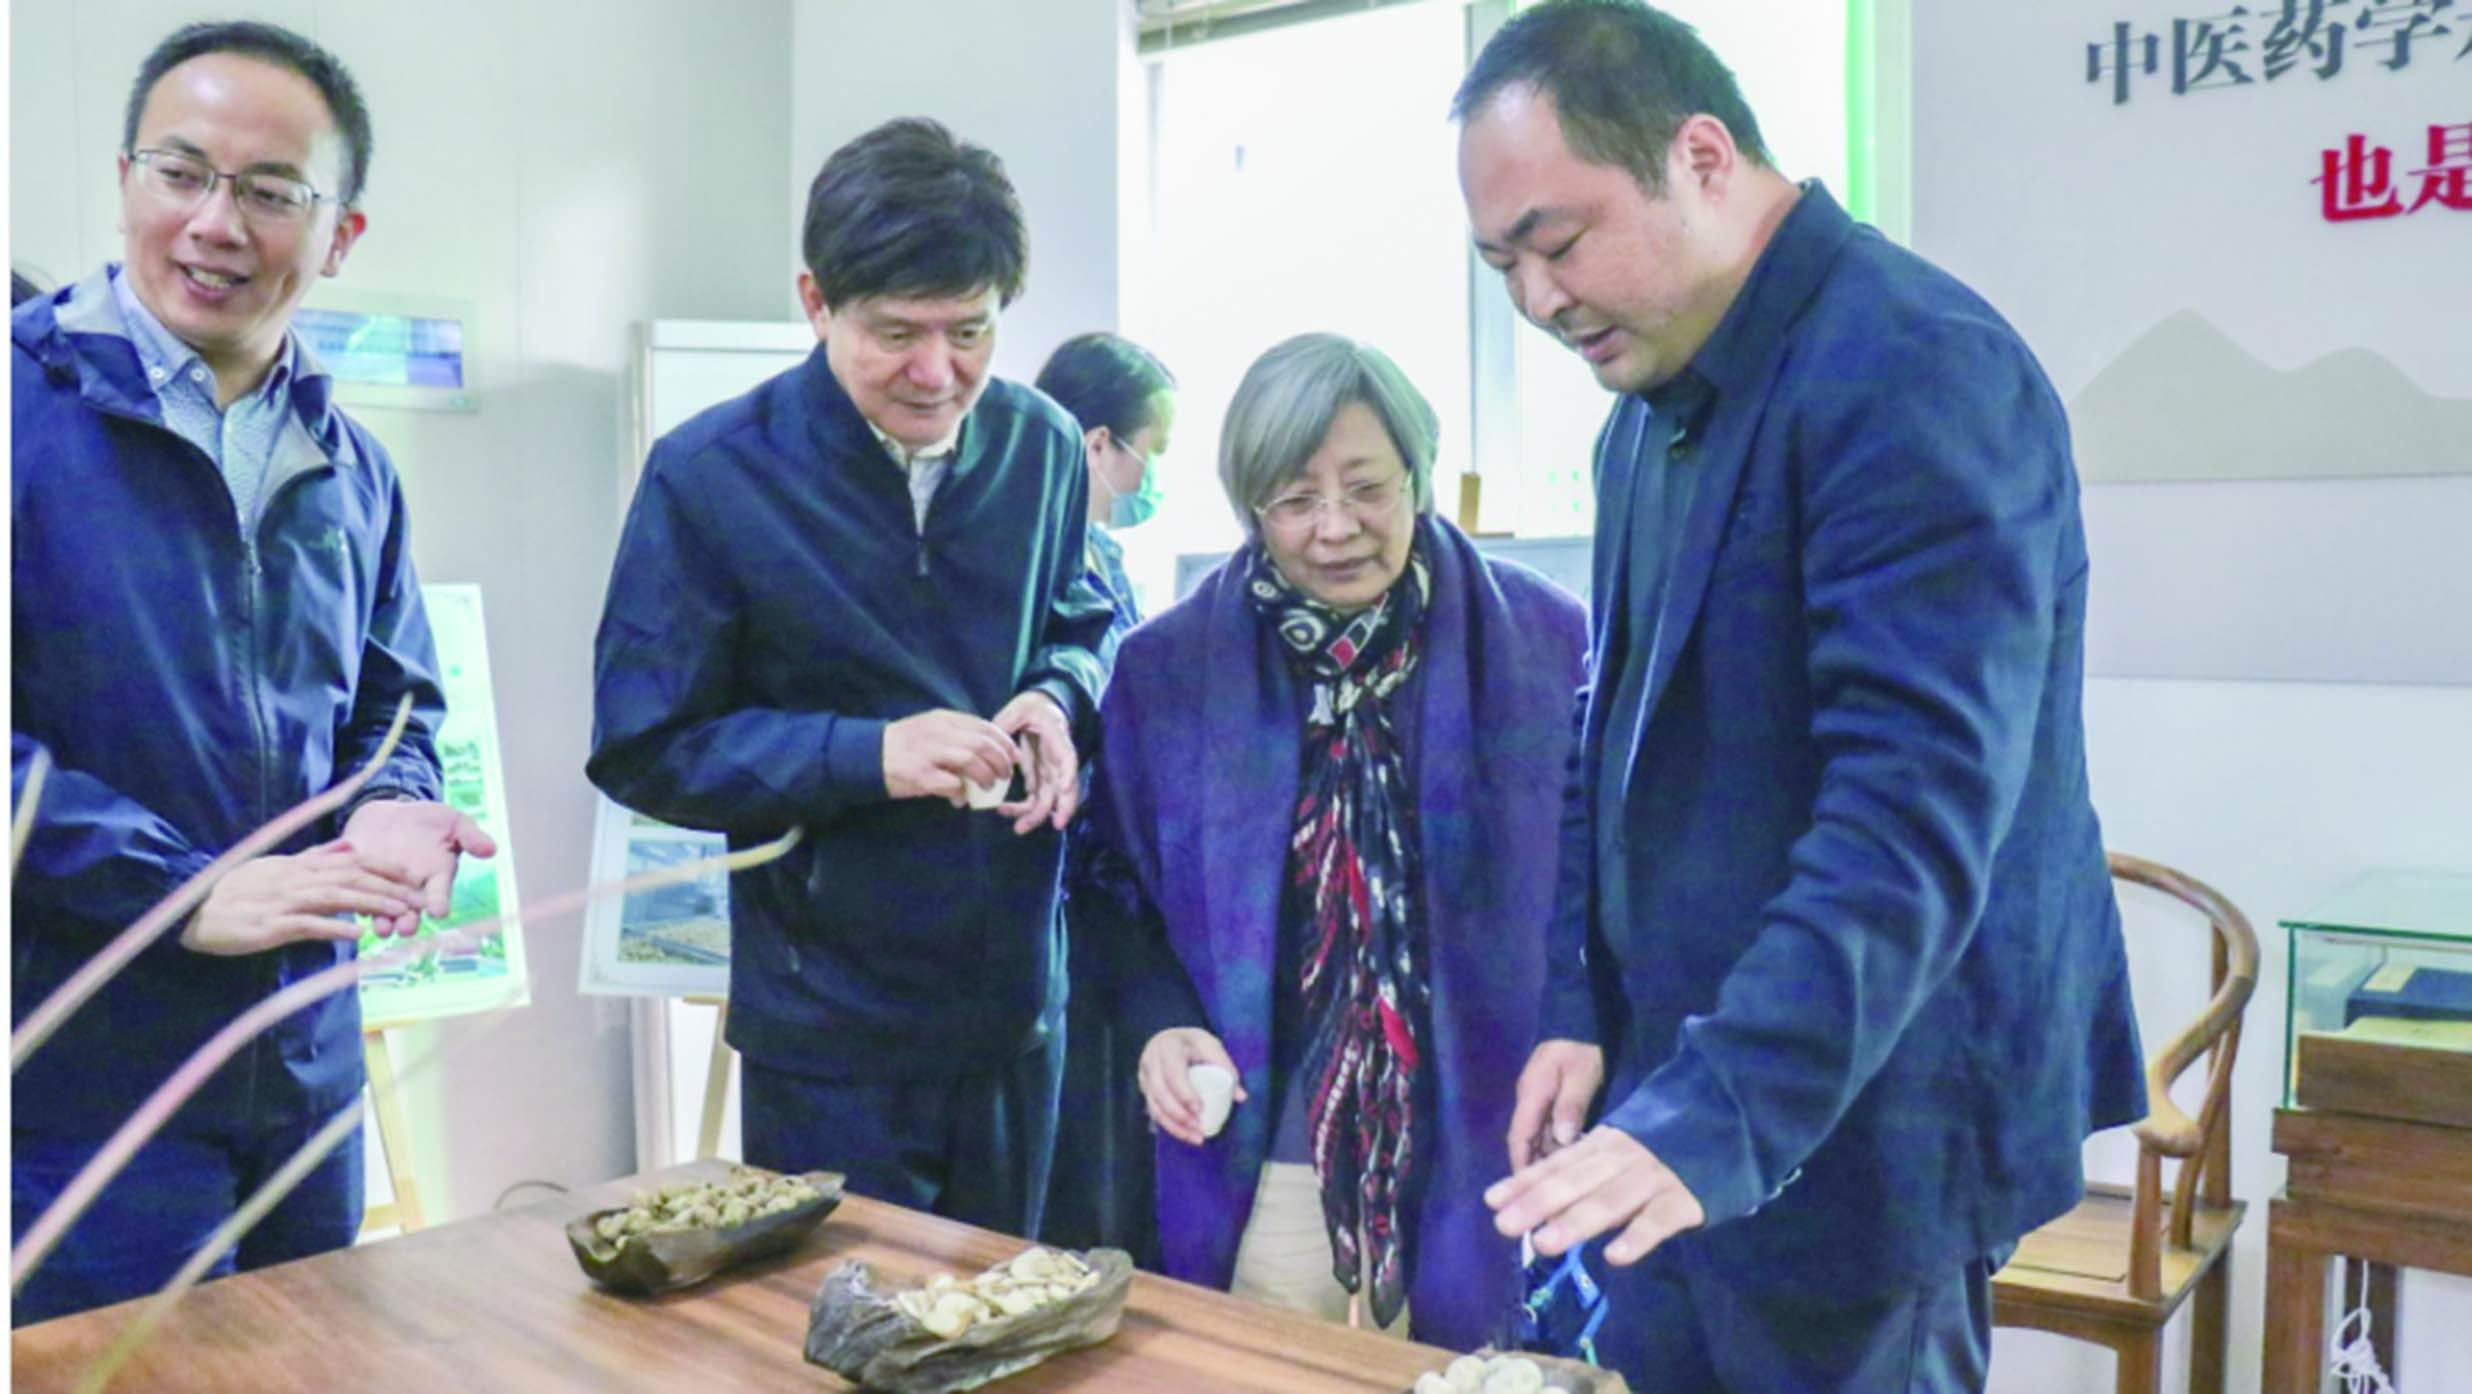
<point>2396,1194</point>
<point>497,1303</point>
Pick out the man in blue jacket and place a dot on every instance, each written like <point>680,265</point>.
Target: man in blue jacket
<point>851,601</point>
<point>214,618</point>
<point>1835,917</point>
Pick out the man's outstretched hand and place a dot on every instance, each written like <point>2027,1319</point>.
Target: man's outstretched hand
<point>419,845</point>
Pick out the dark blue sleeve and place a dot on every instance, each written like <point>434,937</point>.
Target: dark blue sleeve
<point>1143,983</point>
<point>670,734</point>
<point>1569,1012</point>
<point>1149,989</point>
<point>398,658</point>
<point>1074,651</point>
<point>93,852</point>
<point>1933,530</point>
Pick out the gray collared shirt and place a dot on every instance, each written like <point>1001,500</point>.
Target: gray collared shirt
<point>240,439</point>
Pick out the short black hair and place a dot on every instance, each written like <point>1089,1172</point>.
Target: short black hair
<point>268,43</point>
<point>1106,380</point>
<point>911,210</point>
<point>1623,78</point>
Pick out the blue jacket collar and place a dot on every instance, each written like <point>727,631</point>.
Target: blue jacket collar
<point>839,423</point>
<point>1787,274</point>
<point>79,337</point>
<point>1738,362</point>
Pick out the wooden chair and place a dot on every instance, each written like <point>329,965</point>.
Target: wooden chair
<point>2115,1269</point>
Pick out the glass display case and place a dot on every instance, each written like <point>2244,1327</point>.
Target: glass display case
<point>2378,1000</point>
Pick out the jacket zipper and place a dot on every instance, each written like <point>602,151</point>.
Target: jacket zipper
<point>256,578</point>
<point>252,573</point>
<point>252,570</point>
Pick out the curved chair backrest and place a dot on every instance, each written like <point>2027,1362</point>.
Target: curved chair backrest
<point>2203,1143</point>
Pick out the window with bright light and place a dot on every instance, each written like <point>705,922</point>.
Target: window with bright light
<point>1305,178</point>
<point>1302,179</point>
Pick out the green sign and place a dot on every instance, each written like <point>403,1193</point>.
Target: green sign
<point>490,974</point>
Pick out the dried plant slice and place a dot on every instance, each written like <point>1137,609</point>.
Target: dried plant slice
<point>947,1334</point>
<point>1510,1372</point>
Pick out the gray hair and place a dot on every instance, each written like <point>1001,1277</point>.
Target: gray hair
<point>1286,403</point>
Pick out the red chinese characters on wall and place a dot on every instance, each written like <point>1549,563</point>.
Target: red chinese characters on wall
<point>2356,181</point>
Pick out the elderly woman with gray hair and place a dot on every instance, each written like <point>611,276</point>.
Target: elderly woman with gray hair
<point>1331,782</point>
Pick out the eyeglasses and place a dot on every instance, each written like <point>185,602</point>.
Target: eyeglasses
<point>1298,512</point>
<point>184,181</point>
<point>1149,458</point>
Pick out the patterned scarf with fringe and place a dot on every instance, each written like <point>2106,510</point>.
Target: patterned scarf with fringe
<point>1355,884</point>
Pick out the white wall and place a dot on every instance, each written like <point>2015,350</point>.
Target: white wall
<point>1036,83</point>
<point>2091,224</point>
<point>570,169</point>
<point>2278,794</point>
<point>2087,224</point>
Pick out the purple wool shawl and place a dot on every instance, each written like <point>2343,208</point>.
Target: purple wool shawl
<point>1201,748</point>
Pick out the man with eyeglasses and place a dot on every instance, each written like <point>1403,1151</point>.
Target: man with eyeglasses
<point>852,601</point>
<point>215,617</point>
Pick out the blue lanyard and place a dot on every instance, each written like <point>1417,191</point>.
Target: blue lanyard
<point>1584,1288</point>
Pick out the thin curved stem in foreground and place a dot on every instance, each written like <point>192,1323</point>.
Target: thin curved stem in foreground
<point>21,827</point>
<point>100,969</point>
<point>133,1336</point>
<point>80,1194</point>
<point>227,1236</point>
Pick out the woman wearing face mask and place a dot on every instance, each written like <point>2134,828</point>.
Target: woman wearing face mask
<point>1099,1186</point>
<point>1125,400</point>
<point>1328,800</point>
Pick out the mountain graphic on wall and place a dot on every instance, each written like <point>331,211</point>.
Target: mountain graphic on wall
<point>2184,402</point>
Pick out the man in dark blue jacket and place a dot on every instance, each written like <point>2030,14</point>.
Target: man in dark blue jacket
<point>852,601</point>
<point>214,618</point>
<point>1835,915</point>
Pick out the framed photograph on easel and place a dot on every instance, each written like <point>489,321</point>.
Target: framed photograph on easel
<point>672,941</point>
